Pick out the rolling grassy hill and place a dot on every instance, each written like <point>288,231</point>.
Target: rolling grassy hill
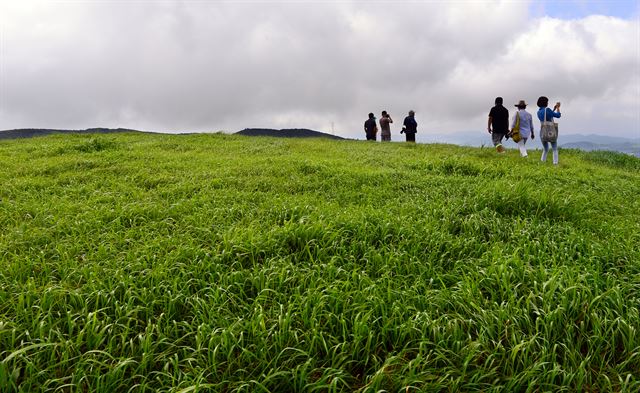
<point>148,262</point>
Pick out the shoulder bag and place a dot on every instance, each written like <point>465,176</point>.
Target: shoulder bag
<point>548,129</point>
<point>515,132</point>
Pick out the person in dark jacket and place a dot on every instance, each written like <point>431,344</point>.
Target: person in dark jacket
<point>410,127</point>
<point>370,127</point>
<point>498,124</point>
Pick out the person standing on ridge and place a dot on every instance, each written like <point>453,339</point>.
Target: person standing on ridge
<point>385,128</point>
<point>524,122</point>
<point>370,127</point>
<point>498,124</point>
<point>546,115</point>
<point>410,127</point>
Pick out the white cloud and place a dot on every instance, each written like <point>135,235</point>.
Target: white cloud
<point>197,66</point>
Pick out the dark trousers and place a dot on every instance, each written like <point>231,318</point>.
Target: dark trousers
<point>496,138</point>
<point>371,136</point>
<point>411,136</point>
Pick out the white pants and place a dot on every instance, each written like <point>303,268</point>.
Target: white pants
<point>554,146</point>
<point>523,150</point>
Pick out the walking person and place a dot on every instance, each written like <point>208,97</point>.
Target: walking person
<point>498,124</point>
<point>370,127</point>
<point>546,116</point>
<point>410,127</point>
<point>385,128</point>
<point>523,122</point>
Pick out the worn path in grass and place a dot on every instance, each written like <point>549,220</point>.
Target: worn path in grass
<point>224,263</point>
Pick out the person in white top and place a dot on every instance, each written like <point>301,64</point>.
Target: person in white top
<point>525,125</point>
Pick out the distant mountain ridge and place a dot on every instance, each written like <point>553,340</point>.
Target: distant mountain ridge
<point>283,133</point>
<point>585,142</point>
<point>599,139</point>
<point>599,142</point>
<point>287,133</point>
<point>33,132</point>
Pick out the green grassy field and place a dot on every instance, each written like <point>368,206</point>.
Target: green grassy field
<point>223,263</point>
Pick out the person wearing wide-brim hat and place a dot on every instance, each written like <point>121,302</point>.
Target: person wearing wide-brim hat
<point>523,121</point>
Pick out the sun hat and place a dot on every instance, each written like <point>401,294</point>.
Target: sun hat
<point>521,103</point>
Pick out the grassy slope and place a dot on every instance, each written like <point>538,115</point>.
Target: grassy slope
<point>227,263</point>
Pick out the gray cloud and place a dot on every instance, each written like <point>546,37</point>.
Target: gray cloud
<point>207,66</point>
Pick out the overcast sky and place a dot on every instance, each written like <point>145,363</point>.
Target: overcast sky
<point>205,66</point>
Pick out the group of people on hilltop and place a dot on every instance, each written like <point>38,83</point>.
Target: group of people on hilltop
<point>520,130</point>
<point>409,128</point>
<point>522,126</point>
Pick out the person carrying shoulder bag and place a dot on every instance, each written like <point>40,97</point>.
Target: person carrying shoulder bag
<point>548,128</point>
<point>522,127</point>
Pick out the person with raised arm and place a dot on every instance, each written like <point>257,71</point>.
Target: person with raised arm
<point>385,128</point>
<point>547,126</point>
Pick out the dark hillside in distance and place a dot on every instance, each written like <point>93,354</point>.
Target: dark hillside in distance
<point>33,132</point>
<point>627,148</point>
<point>287,133</point>
<point>584,142</point>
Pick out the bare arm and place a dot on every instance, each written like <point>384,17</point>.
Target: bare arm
<point>531,127</point>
